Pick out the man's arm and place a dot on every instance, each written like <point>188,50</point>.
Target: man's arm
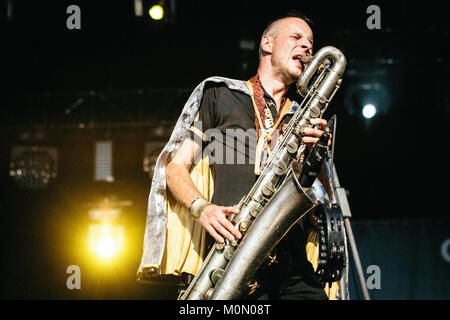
<point>213,217</point>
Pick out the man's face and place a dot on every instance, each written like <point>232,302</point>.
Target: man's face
<point>293,40</point>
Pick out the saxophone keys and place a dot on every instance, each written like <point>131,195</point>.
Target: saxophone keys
<point>216,275</point>
<point>314,111</point>
<point>228,254</point>
<point>258,207</point>
<point>292,147</point>
<point>268,190</point>
<point>244,225</point>
<point>280,168</point>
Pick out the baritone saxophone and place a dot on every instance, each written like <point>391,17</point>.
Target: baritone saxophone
<point>277,200</point>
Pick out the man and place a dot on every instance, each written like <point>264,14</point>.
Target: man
<point>208,196</point>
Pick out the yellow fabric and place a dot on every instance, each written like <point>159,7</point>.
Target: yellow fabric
<point>312,253</point>
<point>185,242</point>
<point>259,148</point>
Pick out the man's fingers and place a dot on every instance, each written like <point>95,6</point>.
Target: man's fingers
<point>313,141</point>
<point>231,228</point>
<point>231,210</point>
<point>318,121</point>
<point>228,225</point>
<point>214,234</point>
<point>217,225</point>
<point>310,140</point>
<point>222,231</point>
<point>312,132</point>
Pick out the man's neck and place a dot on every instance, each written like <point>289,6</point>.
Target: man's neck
<point>275,87</point>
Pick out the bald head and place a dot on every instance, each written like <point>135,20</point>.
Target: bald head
<point>274,27</point>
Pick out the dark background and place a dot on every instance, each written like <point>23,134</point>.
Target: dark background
<point>126,78</point>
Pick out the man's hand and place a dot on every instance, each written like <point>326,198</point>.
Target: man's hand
<point>214,219</point>
<point>312,135</point>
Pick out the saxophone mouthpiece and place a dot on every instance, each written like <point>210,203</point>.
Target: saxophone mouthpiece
<point>306,59</point>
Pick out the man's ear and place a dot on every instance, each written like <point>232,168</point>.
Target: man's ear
<point>266,44</point>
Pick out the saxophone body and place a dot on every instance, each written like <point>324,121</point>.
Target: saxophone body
<point>277,200</point>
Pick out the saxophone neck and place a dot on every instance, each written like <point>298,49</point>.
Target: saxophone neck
<point>336,63</point>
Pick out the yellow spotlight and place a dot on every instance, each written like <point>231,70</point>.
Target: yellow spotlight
<point>156,12</point>
<point>106,247</point>
<point>105,240</point>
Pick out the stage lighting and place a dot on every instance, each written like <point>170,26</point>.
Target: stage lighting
<point>33,167</point>
<point>103,161</point>
<point>161,12</point>
<point>368,99</point>
<point>106,240</point>
<point>156,12</point>
<point>369,111</point>
<point>138,8</point>
<point>106,236</point>
<point>106,246</point>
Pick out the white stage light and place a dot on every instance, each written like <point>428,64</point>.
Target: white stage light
<point>369,111</point>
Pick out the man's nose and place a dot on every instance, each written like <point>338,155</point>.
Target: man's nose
<point>306,46</point>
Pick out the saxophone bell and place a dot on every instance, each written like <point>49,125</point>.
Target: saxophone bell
<point>288,205</point>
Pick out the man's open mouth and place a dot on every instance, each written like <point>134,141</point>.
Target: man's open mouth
<point>299,61</point>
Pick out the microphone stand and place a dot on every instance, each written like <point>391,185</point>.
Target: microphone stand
<point>340,198</point>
